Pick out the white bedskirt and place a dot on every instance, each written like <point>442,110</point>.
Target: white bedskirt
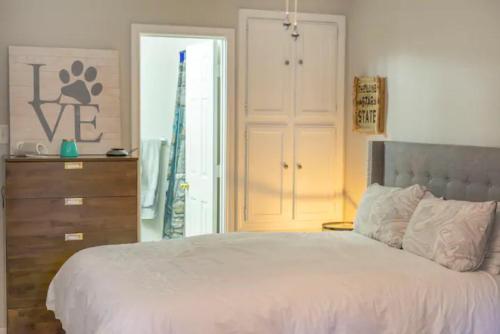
<point>269,283</point>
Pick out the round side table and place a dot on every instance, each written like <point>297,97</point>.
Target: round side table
<point>338,226</point>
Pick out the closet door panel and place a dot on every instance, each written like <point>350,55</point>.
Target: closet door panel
<point>268,174</point>
<point>314,194</point>
<point>268,69</point>
<point>316,63</point>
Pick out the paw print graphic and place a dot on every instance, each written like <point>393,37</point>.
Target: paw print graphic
<point>78,88</point>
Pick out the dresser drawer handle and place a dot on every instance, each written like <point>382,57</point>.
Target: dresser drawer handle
<point>73,165</point>
<point>73,237</point>
<point>73,201</point>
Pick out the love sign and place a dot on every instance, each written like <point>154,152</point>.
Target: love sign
<point>60,94</point>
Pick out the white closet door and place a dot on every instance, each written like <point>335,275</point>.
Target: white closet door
<point>268,175</point>
<point>288,94</point>
<point>268,71</point>
<point>316,63</point>
<point>314,190</point>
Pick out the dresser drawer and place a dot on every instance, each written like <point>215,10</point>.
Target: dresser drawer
<point>58,216</point>
<point>33,262</point>
<point>76,179</point>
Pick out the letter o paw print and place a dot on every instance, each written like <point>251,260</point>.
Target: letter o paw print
<point>82,89</point>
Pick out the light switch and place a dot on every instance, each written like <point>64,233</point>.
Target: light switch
<point>4,134</point>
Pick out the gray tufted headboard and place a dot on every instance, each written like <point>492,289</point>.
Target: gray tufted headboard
<point>455,172</point>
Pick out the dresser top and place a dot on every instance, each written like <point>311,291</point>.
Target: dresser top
<point>56,158</point>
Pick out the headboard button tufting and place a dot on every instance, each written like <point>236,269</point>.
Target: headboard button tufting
<point>457,172</point>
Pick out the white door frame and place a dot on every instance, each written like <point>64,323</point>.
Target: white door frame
<point>227,119</point>
<point>340,20</point>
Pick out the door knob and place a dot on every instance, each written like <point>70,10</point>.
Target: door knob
<point>285,165</point>
<point>301,62</point>
<point>287,62</point>
<point>299,165</point>
<point>184,186</point>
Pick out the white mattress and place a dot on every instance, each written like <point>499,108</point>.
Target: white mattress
<point>269,283</point>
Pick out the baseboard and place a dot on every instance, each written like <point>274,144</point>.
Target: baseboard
<point>3,330</point>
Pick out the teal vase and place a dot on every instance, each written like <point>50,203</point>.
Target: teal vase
<point>69,149</point>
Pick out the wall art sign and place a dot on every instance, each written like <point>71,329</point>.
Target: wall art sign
<point>58,94</point>
<point>369,104</point>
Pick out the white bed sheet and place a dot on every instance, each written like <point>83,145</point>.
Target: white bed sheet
<point>269,283</point>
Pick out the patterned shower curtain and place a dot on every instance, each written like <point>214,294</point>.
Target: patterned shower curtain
<point>175,200</point>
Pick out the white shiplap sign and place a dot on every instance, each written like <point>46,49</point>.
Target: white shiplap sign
<point>60,94</point>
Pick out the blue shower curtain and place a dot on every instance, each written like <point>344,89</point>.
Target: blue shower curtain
<point>175,200</point>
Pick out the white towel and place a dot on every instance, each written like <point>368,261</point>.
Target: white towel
<point>150,172</point>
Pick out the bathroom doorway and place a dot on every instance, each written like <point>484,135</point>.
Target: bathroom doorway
<point>183,108</point>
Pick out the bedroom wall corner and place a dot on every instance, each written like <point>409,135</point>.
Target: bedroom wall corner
<point>441,60</point>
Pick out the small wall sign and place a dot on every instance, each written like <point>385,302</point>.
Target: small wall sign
<point>369,104</point>
<point>58,94</point>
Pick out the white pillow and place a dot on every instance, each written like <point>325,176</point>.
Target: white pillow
<point>371,195</point>
<point>451,233</point>
<point>384,212</point>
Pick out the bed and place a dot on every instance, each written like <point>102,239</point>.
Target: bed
<point>339,282</point>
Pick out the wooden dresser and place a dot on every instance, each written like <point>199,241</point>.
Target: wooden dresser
<point>54,208</point>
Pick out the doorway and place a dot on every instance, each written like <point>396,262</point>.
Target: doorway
<point>183,107</point>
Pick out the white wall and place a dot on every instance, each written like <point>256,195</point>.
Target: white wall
<point>159,77</point>
<point>442,60</point>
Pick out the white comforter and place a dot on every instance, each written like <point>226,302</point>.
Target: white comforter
<point>269,283</point>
